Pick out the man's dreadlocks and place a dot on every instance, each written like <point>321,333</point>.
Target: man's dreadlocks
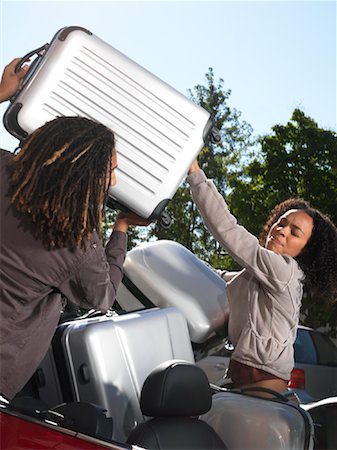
<point>59,179</point>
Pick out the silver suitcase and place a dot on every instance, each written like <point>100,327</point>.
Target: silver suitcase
<point>166,274</point>
<point>107,359</point>
<point>159,131</point>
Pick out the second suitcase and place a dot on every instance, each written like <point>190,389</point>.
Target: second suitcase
<point>159,131</point>
<point>107,359</point>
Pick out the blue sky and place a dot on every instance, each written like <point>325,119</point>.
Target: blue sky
<point>274,55</point>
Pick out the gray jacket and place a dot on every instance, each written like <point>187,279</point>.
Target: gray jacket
<point>33,281</point>
<point>264,298</point>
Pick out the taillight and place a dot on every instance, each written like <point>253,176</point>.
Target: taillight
<point>297,379</point>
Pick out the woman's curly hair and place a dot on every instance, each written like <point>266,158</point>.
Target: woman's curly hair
<point>318,259</point>
<point>59,179</point>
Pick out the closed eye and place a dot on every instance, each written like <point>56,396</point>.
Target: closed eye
<point>295,230</point>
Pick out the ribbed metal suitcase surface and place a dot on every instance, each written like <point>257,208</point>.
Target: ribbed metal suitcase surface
<point>108,359</point>
<point>158,130</point>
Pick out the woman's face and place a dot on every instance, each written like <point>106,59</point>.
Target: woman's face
<point>290,234</point>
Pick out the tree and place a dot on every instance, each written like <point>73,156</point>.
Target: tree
<point>218,161</point>
<point>298,159</point>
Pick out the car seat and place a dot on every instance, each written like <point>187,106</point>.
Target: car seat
<point>174,395</point>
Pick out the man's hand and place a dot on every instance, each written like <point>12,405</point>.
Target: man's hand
<point>11,81</point>
<point>124,220</point>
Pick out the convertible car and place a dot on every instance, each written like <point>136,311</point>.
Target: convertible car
<point>135,377</point>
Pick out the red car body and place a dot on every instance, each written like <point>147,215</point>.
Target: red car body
<point>20,432</point>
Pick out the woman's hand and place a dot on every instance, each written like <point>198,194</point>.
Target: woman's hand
<point>11,81</point>
<point>124,220</point>
<point>194,167</point>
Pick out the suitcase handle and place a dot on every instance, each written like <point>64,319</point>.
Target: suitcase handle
<point>275,394</point>
<point>39,51</point>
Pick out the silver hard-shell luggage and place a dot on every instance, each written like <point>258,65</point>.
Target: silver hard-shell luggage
<point>159,131</point>
<point>164,273</point>
<point>107,359</point>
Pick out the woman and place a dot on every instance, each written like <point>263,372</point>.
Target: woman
<point>53,193</point>
<point>298,246</point>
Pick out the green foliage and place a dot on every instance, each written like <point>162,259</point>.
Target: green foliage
<point>218,161</point>
<point>298,159</point>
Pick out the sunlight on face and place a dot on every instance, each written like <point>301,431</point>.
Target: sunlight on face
<point>290,234</point>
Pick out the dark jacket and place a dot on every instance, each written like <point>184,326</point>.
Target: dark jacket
<point>33,281</point>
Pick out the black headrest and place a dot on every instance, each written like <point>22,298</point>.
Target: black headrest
<point>176,388</point>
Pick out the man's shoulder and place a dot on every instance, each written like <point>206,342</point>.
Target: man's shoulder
<point>5,156</point>
<point>5,153</point>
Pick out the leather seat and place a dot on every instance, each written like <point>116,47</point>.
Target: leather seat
<point>174,395</point>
